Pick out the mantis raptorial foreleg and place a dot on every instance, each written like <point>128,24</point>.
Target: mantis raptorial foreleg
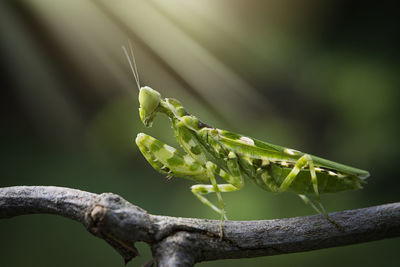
<point>168,160</point>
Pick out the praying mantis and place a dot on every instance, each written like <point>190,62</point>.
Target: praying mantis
<point>209,152</point>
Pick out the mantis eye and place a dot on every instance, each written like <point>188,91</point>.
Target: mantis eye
<point>149,99</point>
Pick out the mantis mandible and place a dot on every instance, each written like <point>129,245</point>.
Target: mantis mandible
<point>210,152</point>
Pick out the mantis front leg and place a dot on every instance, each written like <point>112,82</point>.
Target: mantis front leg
<point>168,160</point>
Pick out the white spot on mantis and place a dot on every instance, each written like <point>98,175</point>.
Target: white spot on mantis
<point>170,148</point>
<point>248,159</point>
<point>318,169</point>
<point>189,160</point>
<point>247,140</point>
<point>192,143</point>
<point>284,163</point>
<point>290,151</point>
<point>331,173</point>
<point>265,161</point>
<point>264,177</point>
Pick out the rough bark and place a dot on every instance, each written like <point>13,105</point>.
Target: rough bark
<point>185,241</point>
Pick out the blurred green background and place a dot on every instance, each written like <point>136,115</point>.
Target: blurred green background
<point>318,76</point>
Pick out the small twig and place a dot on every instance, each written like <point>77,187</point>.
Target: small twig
<point>185,241</point>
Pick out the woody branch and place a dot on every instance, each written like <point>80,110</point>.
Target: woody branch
<point>185,241</point>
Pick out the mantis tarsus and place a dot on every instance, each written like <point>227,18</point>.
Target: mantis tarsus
<point>210,152</point>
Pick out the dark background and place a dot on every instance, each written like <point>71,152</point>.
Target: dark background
<point>317,76</point>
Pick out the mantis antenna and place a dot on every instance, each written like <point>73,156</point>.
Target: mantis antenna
<point>132,66</point>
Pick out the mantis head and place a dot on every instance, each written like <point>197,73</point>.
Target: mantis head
<point>149,100</point>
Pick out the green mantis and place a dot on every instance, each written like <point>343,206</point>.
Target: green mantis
<point>209,152</point>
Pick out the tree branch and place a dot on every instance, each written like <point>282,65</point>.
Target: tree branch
<point>185,241</point>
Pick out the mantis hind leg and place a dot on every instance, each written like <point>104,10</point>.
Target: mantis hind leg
<point>320,210</point>
<point>301,163</point>
<point>317,206</point>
